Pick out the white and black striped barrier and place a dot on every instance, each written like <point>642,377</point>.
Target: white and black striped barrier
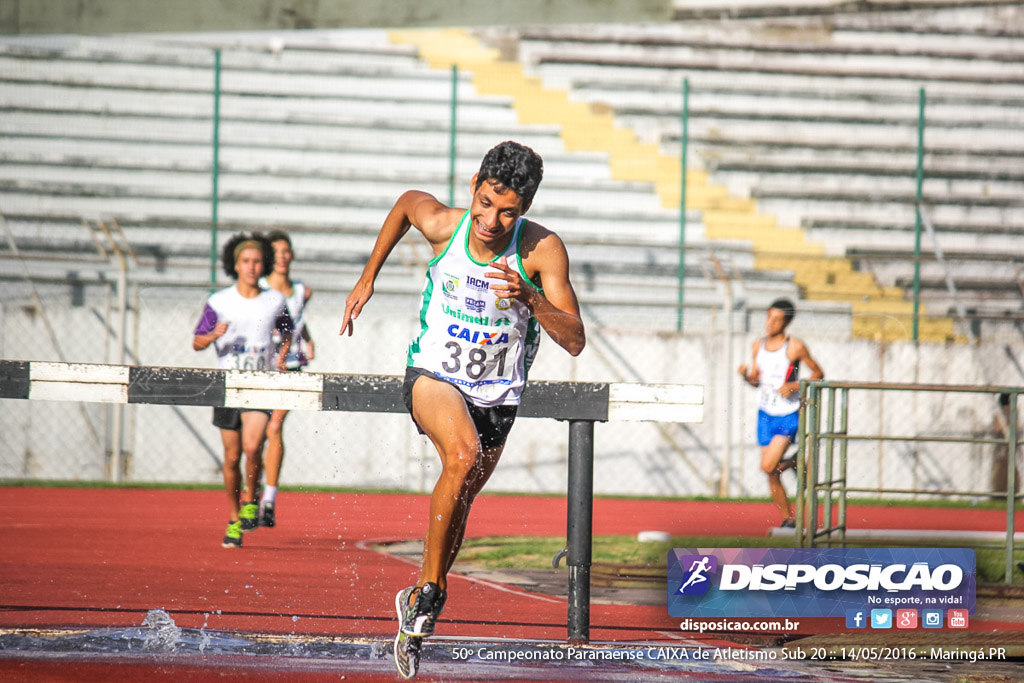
<point>580,403</point>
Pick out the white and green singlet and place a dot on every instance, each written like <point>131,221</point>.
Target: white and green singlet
<point>468,336</point>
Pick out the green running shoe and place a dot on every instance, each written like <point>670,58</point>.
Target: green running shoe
<point>233,536</point>
<point>249,516</point>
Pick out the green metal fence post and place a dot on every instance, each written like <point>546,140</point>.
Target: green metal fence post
<point>844,425</point>
<point>215,168</point>
<point>801,467</point>
<point>1011,485</point>
<point>830,425</point>
<point>451,136</point>
<point>917,212</point>
<point>682,203</point>
<point>814,418</point>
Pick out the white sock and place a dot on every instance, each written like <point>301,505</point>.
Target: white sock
<point>269,494</point>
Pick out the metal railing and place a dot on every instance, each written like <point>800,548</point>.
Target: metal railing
<point>823,461</point>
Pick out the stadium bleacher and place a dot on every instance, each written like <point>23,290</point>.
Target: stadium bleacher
<point>317,138</point>
<point>816,118</point>
<point>802,148</point>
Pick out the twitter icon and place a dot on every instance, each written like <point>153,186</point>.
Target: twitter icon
<point>881,618</point>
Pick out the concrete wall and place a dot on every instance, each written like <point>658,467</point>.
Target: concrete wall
<point>125,16</point>
<point>70,441</point>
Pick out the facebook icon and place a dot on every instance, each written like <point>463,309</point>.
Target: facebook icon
<point>856,618</point>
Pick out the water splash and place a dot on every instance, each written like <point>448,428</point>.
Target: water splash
<point>162,634</point>
<point>204,641</point>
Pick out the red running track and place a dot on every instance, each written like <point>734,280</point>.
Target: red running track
<point>99,557</point>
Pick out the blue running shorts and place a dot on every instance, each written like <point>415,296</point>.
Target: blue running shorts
<point>769,426</point>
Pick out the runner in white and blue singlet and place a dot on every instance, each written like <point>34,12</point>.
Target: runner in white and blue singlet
<point>494,280</point>
<point>240,323</point>
<point>775,373</point>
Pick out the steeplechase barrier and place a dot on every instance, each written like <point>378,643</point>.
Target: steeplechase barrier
<point>823,476</point>
<point>581,404</point>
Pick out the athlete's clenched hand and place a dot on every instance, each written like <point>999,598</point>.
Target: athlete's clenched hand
<point>513,287</point>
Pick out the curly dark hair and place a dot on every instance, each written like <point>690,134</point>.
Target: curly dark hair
<point>227,253</point>
<point>514,166</point>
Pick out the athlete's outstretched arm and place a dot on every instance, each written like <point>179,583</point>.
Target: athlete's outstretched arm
<point>413,209</point>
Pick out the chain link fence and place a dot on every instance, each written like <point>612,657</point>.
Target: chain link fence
<point>78,322</point>
<point>112,226</point>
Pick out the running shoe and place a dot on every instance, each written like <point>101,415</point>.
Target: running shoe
<point>787,463</point>
<point>407,655</point>
<point>248,516</point>
<point>233,536</point>
<point>788,524</point>
<point>267,516</point>
<point>415,622</point>
<point>420,618</point>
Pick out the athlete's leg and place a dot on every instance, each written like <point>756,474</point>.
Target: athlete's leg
<point>440,411</point>
<point>770,457</point>
<point>274,456</point>
<point>254,432</point>
<point>485,466</point>
<point>232,476</point>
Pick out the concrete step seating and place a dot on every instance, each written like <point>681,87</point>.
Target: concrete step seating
<point>613,282</point>
<point>817,94</point>
<point>307,138</point>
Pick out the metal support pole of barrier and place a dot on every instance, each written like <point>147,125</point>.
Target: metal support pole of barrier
<point>579,527</point>
<point>844,425</point>
<point>1011,485</point>
<point>215,169</point>
<point>801,467</point>
<point>451,138</point>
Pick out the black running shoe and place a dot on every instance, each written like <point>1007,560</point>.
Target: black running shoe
<point>267,516</point>
<point>420,617</point>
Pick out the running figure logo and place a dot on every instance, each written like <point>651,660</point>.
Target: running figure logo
<point>698,567</point>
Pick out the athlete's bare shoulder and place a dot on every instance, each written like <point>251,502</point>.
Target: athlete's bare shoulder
<point>436,221</point>
<point>797,348</point>
<point>541,248</point>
